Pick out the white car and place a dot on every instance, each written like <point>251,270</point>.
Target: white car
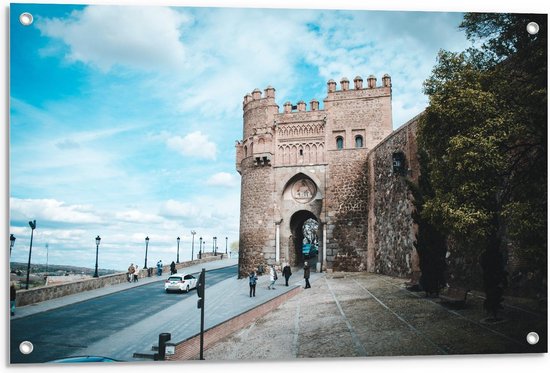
<point>180,283</point>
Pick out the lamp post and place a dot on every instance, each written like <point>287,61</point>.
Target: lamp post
<point>12,242</point>
<point>178,257</point>
<point>225,245</point>
<point>193,233</point>
<point>32,224</point>
<point>146,248</point>
<point>47,258</point>
<point>214,245</point>
<point>200,247</point>
<point>97,240</point>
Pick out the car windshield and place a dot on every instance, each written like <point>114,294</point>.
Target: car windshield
<point>174,278</point>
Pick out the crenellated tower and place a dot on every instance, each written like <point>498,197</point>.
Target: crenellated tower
<point>308,163</point>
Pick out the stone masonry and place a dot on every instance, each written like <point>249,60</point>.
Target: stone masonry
<point>297,164</point>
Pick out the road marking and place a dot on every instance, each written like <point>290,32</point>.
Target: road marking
<point>416,331</point>
<point>358,345</point>
<point>460,316</point>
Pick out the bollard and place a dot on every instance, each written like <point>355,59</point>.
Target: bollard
<point>163,338</point>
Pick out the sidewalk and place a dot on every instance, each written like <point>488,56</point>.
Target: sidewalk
<point>223,301</point>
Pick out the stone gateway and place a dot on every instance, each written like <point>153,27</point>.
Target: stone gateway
<point>330,170</point>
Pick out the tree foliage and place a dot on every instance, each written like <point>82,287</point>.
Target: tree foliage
<point>485,136</point>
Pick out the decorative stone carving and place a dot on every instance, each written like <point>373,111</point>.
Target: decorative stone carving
<point>303,191</point>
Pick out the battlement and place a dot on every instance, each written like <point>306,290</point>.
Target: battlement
<point>358,83</point>
<point>256,95</point>
<point>268,96</point>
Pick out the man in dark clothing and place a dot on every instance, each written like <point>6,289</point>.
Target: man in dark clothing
<point>306,275</point>
<point>252,282</point>
<point>287,273</point>
<point>173,269</point>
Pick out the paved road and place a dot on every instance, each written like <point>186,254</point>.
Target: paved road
<point>60,332</point>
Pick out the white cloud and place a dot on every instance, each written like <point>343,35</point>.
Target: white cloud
<point>136,216</point>
<point>173,208</point>
<point>223,179</point>
<point>106,36</point>
<point>194,144</point>
<point>52,210</point>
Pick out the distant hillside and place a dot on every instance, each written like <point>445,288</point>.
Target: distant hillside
<point>56,268</point>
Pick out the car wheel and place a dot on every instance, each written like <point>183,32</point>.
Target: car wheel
<point>187,289</point>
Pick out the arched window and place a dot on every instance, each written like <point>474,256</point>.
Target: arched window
<point>339,142</point>
<point>245,152</point>
<point>358,141</point>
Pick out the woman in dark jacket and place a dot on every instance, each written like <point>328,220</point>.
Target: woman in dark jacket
<point>287,273</point>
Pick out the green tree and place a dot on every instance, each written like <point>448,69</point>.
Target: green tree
<point>484,134</point>
<point>430,241</point>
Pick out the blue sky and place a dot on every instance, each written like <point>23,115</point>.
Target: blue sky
<point>123,120</point>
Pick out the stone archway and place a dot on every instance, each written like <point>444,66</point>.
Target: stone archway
<point>296,258</point>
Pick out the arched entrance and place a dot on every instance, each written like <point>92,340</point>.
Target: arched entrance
<point>296,239</point>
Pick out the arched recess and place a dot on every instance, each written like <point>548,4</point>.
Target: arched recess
<point>296,258</point>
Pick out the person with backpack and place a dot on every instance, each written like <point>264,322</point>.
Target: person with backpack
<point>272,277</point>
<point>252,279</point>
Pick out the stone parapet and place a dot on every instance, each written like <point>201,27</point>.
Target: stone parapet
<point>44,293</point>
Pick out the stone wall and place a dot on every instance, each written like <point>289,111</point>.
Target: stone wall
<point>257,233</point>
<point>391,228</point>
<point>43,293</point>
<point>347,206</point>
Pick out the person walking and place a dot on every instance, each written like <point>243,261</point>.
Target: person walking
<point>252,279</point>
<point>287,273</point>
<point>173,269</point>
<point>13,297</point>
<point>272,277</point>
<point>131,271</point>
<point>136,274</point>
<point>306,275</point>
<point>159,268</point>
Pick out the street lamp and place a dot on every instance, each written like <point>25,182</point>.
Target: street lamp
<point>225,245</point>
<point>214,245</point>
<point>97,240</point>
<point>146,248</point>
<point>12,242</point>
<point>178,257</point>
<point>200,247</point>
<point>32,224</point>
<point>193,233</point>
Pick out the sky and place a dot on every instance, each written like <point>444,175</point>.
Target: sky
<point>123,120</point>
